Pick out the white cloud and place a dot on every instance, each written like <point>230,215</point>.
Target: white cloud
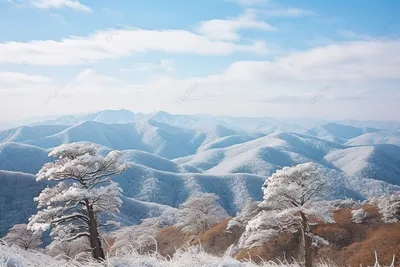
<point>10,80</point>
<point>59,18</point>
<point>352,35</point>
<point>357,73</point>
<point>164,65</point>
<point>92,77</point>
<point>348,61</point>
<point>47,4</point>
<point>273,9</point>
<point>249,2</point>
<point>227,29</point>
<point>116,43</point>
<point>287,12</point>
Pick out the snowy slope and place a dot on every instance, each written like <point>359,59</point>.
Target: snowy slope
<point>117,136</point>
<point>379,162</point>
<point>105,116</point>
<point>26,133</point>
<point>144,134</point>
<point>17,191</point>
<point>339,133</point>
<point>171,157</point>
<point>391,138</point>
<point>152,178</point>
<point>133,211</point>
<point>261,156</point>
<point>250,124</point>
<point>22,157</point>
<point>172,189</point>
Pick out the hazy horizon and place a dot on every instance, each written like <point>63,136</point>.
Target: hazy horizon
<point>34,119</point>
<point>253,58</point>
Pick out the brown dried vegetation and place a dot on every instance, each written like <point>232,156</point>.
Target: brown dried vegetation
<point>351,244</point>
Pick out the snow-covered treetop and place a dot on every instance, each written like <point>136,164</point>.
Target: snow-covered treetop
<point>81,162</point>
<point>200,212</point>
<point>293,186</point>
<point>389,207</point>
<point>73,150</point>
<point>249,211</point>
<point>358,216</point>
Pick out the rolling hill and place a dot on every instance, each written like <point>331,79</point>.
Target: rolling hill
<point>171,157</point>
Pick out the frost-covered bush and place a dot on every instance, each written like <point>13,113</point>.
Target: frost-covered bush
<point>345,203</point>
<point>200,212</point>
<point>250,210</point>
<point>194,257</point>
<point>389,207</point>
<point>358,216</point>
<point>19,235</point>
<point>138,237</point>
<point>78,248</point>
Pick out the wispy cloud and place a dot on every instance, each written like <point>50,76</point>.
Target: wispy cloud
<point>287,12</point>
<point>227,29</point>
<point>273,9</point>
<point>59,18</point>
<point>164,65</point>
<point>92,77</point>
<point>352,35</point>
<point>124,42</point>
<point>11,80</point>
<point>48,4</point>
<point>249,2</point>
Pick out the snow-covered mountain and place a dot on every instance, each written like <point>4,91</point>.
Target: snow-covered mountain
<point>105,116</point>
<point>383,137</point>
<point>171,157</point>
<point>18,189</point>
<point>379,162</point>
<point>22,157</point>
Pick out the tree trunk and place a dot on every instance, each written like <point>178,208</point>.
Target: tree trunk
<point>95,243</point>
<point>306,241</point>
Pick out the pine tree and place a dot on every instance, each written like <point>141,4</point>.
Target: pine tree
<point>83,196</point>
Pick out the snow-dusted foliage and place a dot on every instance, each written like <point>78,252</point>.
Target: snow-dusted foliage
<point>15,257</point>
<point>290,205</point>
<point>78,248</point>
<point>20,236</point>
<point>138,237</point>
<point>358,216</point>
<point>345,203</point>
<point>389,207</point>
<point>83,196</point>
<point>250,210</point>
<point>200,212</point>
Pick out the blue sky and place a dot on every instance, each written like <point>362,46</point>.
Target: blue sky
<point>325,59</point>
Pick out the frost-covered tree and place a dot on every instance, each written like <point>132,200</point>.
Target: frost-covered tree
<point>290,204</point>
<point>19,235</point>
<point>70,250</point>
<point>83,196</point>
<point>358,216</point>
<point>249,211</point>
<point>200,212</point>
<point>138,237</point>
<point>389,207</point>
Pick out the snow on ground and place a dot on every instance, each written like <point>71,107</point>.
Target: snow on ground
<point>14,257</point>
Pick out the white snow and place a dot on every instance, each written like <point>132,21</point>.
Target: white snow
<point>172,157</point>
